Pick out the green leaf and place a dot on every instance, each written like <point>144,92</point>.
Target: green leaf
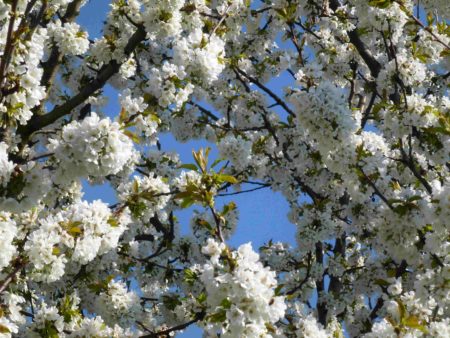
<point>391,273</point>
<point>50,331</point>
<point>201,158</point>
<point>419,53</point>
<point>414,198</point>
<point>227,178</point>
<point>381,282</point>
<point>136,208</point>
<point>430,18</point>
<point>204,224</point>
<point>16,185</point>
<point>147,195</point>
<point>135,186</point>
<point>395,200</point>
<point>56,251</point>
<point>427,228</point>
<point>225,303</point>
<point>361,152</point>
<point>189,166</point>
<point>218,317</point>
<point>383,4</point>
<point>154,118</point>
<point>270,328</point>
<point>4,329</point>
<point>201,297</point>
<point>183,194</point>
<point>190,276</point>
<point>362,31</point>
<point>75,231</point>
<point>228,207</point>
<point>165,16</point>
<point>414,322</point>
<point>68,310</point>
<point>113,222</point>
<point>278,289</point>
<point>171,301</point>
<point>401,309</point>
<point>187,202</point>
<point>395,185</point>
<point>123,115</point>
<point>132,136</point>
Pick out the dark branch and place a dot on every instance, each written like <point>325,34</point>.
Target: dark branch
<point>40,121</point>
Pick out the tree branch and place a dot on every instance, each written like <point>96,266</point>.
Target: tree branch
<point>19,265</point>
<point>40,121</point>
<point>355,39</point>
<point>9,46</point>
<point>165,333</point>
<point>51,66</point>
<point>268,91</point>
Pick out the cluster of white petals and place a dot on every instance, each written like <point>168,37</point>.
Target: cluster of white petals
<point>69,38</point>
<point>8,230</point>
<point>93,147</point>
<point>6,166</point>
<point>340,108</point>
<point>81,232</point>
<point>245,295</point>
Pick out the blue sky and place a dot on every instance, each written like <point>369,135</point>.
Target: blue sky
<point>263,214</point>
<point>264,211</point>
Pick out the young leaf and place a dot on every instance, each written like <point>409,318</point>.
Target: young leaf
<point>383,4</point>
<point>189,166</point>
<point>227,178</point>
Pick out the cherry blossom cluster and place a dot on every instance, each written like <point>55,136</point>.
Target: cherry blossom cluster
<point>340,106</point>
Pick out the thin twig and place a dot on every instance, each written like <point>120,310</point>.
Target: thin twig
<point>243,191</point>
<point>19,265</point>
<point>268,91</point>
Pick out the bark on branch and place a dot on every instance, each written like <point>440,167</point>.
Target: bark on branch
<point>362,49</point>
<point>51,66</point>
<point>38,122</point>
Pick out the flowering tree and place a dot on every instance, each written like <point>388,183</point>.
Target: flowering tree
<point>358,143</point>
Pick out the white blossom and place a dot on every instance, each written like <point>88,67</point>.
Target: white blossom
<point>94,147</point>
<point>69,38</point>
